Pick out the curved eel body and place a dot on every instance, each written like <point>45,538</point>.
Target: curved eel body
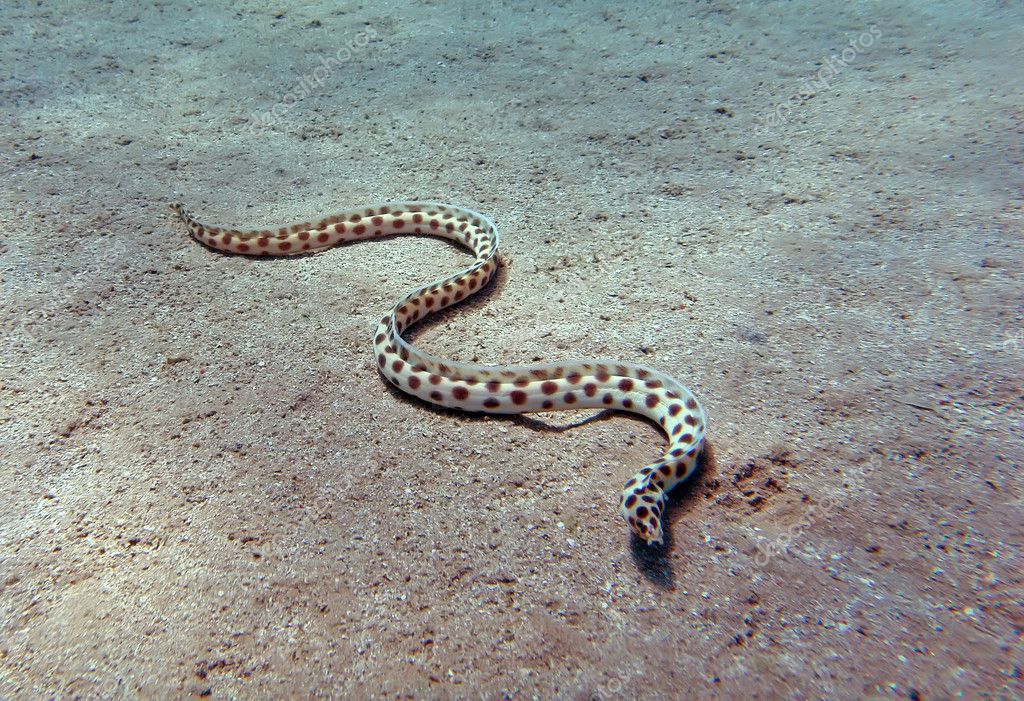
<point>581,384</point>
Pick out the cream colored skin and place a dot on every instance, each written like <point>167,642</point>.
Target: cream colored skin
<point>586,384</point>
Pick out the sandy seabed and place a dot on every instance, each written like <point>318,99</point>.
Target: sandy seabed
<point>809,212</point>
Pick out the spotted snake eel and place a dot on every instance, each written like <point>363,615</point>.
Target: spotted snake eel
<point>582,384</point>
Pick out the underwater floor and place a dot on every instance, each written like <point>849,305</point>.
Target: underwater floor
<point>810,213</point>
